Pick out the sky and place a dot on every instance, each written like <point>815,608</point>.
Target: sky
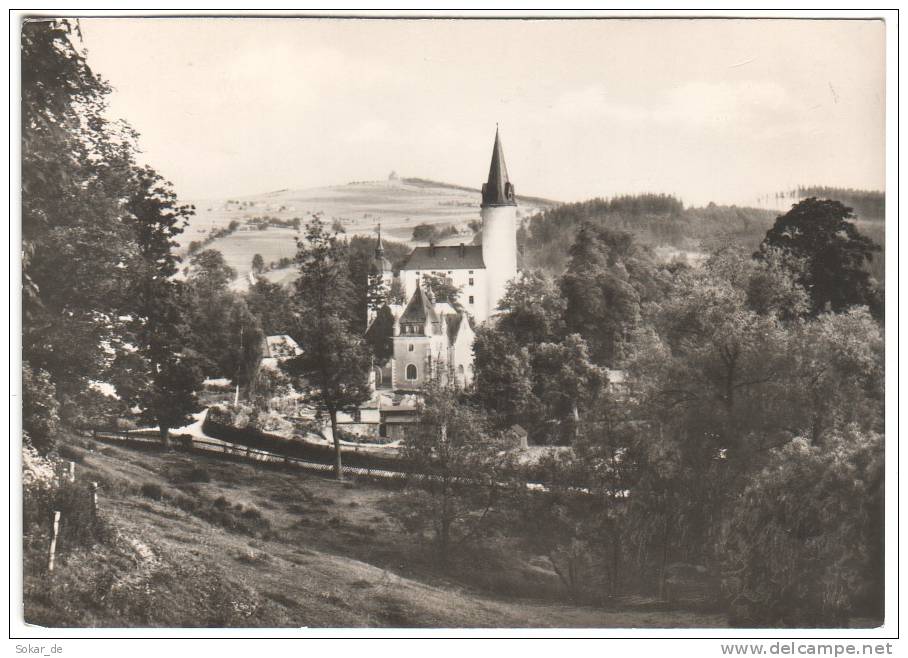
<point>708,110</point>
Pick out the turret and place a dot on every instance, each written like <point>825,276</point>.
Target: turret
<point>499,228</point>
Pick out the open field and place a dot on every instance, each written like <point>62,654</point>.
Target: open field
<point>398,204</point>
<point>261,547</point>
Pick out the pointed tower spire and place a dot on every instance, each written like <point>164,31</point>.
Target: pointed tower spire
<point>379,247</point>
<point>498,191</point>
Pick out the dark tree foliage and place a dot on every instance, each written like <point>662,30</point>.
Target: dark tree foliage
<point>608,278</point>
<point>75,178</point>
<point>532,309</point>
<point>836,254</point>
<point>272,304</point>
<point>154,371</point>
<point>380,335</point>
<point>258,263</point>
<point>653,219</point>
<point>364,278</point>
<point>867,204</point>
<point>209,273</point>
<point>804,541</point>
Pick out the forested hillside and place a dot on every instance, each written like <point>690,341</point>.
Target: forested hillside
<point>654,219</point>
<point>662,221</point>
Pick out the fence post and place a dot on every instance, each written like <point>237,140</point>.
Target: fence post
<point>53,541</point>
<point>94,498</point>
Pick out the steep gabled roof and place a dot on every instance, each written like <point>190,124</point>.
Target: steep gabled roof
<point>419,309</point>
<point>464,257</point>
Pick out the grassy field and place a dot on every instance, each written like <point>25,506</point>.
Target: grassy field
<point>399,206</point>
<point>255,546</point>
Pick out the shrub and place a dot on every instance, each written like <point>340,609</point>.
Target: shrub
<point>40,409</point>
<point>152,491</point>
<point>79,524</point>
<point>199,475</point>
<point>252,513</point>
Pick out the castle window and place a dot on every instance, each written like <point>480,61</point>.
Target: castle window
<point>409,348</point>
<point>471,281</point>
<point>411,372</point>
<point>471,299</point>
<point>471,271</point>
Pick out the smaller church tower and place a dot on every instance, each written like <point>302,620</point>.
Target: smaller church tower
<point>380,268</point>
<point>499,228</point>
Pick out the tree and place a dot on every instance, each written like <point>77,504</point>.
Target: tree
<point>532,309</point>
<point>40,409</point>
<point>503,383</point>
<point>258,263</point>
<point>837,379</point>
<point>380,335</point>
<point>442,288</point>
<point>272,304</point>
<point>335,361</point>
<point>804,540</point>
<point>209,273</point>
<point>75,172</point>
<point>607,279</point>
<point>835,253</point>
<point>463,470</point>
<point>153,370</point>
<point>566,383</point>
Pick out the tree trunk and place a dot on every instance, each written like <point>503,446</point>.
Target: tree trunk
<point>338,465</point>
<point>165,436</point>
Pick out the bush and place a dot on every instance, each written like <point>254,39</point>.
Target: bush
<point>805,539</point>
<point>199,475</point>
<point>40,409</point>
<point>79,524</point>
<point>152,491</point>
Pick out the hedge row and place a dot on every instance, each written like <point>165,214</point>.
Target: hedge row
<point>320,454</point>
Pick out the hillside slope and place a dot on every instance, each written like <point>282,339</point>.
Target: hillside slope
<point>263,547</point>
<point>399,204</point>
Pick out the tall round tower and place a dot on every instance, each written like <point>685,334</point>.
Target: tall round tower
<point>499,228</point>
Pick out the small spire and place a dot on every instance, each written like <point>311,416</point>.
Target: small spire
<point>498,191</point>
<point>379,247</point>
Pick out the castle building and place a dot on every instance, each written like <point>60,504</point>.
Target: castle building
<point>435,339</point>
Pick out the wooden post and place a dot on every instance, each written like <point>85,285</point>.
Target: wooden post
<point>94,498</point>
<point>53,541</point>
<point>72,471</point>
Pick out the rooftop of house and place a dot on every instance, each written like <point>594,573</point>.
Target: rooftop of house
<point>458,257</point>
<point>281,347</point>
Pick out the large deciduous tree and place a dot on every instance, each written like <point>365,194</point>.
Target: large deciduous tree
<point>154,370</point>
<point>607,279</point>
<point>821,233</point>
<point>75,172</point>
